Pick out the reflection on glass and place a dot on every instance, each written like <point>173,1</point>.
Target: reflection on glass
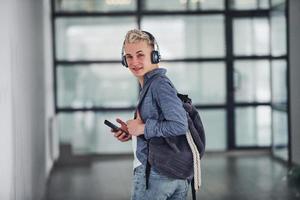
<point>252,81</point>
<point>253,126</point>
<point>91,38</point>
<point>279,82</point>
<point>277,2</point>
<point>249,4</point>
<point>278,34</point>
<point>263,4</point>
<point>280,134</point>
<point>188,36</point>
<point>206,81</point>
<point>184,5</point>
<point>87,134</point>
<point>214,122</point>
<point>94,5</point>
<point>251,36</point>
<point>243,5</point>
<point>107,85</point>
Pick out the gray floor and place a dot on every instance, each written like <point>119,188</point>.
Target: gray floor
<point>226,176</point>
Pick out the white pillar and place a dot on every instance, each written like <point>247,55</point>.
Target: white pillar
<point>294,48</point>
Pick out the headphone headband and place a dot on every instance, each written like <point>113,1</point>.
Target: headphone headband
<point>153,40</point>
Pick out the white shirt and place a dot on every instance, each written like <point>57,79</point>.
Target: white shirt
<point>136,162</point>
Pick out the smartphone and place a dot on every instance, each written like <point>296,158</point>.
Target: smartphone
<point>111,125</point>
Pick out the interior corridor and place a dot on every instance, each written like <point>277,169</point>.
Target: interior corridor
<point>61,77</point>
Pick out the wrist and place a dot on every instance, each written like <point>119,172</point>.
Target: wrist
<point>142,129</point>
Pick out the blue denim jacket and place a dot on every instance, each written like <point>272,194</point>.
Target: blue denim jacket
<point>161,111</point>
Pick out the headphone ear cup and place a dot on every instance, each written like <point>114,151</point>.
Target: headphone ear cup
<point>124,62</point>
<point>155,57</point>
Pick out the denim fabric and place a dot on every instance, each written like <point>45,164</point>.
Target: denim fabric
<point>160,186</point>
<point>161,111</point>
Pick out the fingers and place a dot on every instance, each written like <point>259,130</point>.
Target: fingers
<point>121,122</point>
<point>123,125</point>
<point>122,136</point>
<point>117,133</point>
<point>125,138</point>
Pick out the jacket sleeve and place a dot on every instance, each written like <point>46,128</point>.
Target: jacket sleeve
<point>174,121</point>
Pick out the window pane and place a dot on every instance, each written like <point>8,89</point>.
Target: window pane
<point>107,85</point>
<point>278,33</point>
<point>280,134</point>
<point>184,5</point>
<point>214,122</point>
<point>252,81</point>
<point>251,36</point>
<point>206,82</point>
<point>243,4</point>
<point>94,5</point>
<point>87,134</point>
<point>277,2</point>
<point>249,4</point>
<point>264,4</point>
<point>91,38</point>
<point>279,82</point>
<point>188,36</point>
<point>253,126</point>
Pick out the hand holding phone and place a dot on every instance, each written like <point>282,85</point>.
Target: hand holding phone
<point>114,127</point>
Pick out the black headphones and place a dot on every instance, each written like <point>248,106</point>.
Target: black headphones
<point>155,55</point>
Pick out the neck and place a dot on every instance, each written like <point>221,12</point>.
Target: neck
<point>141,78</point>
<point>141,81</point>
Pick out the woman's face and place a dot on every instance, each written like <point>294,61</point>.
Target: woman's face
<point>138,58</point>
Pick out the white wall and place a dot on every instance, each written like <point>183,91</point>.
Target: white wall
<point>52,140</point>
<point>24,159</point>
<point>6,141</point>
<point>294,34</point>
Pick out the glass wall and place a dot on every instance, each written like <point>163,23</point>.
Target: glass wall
<point>194,35</point>
<point>217,51</point>
<point>200,77</point>
<point>93,85</point>
<point>251,75</point>
<point>86,133</point>
<point>90,38</point>
<point>94,5</point>
<point>252,81</point>
<point>253,126</point>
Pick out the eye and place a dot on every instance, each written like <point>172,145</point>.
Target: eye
<point>128,57</point>
<point>140,55</point>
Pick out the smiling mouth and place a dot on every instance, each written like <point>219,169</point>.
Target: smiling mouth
<point>137,69</point>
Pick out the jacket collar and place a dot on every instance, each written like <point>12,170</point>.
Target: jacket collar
<point>153,73</point>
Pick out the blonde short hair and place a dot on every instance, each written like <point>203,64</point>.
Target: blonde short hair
<point>136,35</point>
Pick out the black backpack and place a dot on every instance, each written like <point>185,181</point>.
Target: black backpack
<point>195,123</point>
<point>172,156</point>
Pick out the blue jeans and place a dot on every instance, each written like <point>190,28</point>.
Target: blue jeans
<point>160,186</point>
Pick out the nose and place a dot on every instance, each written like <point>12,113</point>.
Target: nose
<point>134,60</point>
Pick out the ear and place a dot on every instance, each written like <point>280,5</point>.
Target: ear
<point>124,62</point>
